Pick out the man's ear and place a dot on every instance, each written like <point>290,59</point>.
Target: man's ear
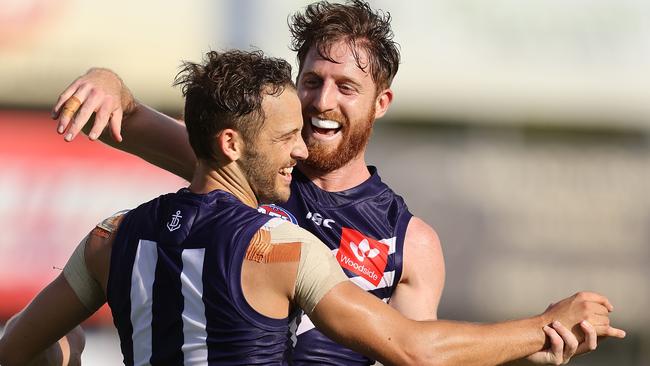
<point>230,143</point>
<point>382,102</point>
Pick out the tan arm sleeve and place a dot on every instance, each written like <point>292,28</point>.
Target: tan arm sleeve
<point>318,271</point>
<point>84,286</point>
<point>76,273</point>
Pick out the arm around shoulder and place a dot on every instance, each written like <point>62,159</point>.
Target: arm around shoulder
<point>134,127</point>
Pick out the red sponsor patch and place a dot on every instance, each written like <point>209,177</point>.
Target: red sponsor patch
<point>362,255</point>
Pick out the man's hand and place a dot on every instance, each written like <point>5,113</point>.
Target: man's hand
<point>588,306</point>
<point>99,91</point>
<point>563,344</point>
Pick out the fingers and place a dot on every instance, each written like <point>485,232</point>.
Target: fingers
<point>556,343</point>
<point>70,107</point>
<point>594,297</point>
<point>570,341</point>
<point>98,91</point>
<point>591,338</point>
<point>92,103</point>
<point>65,118</point>
<point>101,120</point>
<point>67,93</point>
<point>116,125</point>
<point>615,332</point>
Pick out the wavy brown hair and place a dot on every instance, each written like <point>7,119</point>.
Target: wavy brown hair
<point>321,24</point>
<point>226,91</point>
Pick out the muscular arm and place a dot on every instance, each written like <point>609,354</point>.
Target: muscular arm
<point>362,322</point>
<point>158,139</point>
<point>418,294</point>
<point>423,275</point>
<point>136,128</point>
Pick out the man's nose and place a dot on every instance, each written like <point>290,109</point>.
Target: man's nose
<point>325,98</point>
<point>299,151</point>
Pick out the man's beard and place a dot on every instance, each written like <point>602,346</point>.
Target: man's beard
<point>260,176</point>
<point>355,139</point>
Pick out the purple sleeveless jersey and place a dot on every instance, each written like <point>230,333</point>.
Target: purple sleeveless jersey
<point>365,228</point>
<point>175,285</point>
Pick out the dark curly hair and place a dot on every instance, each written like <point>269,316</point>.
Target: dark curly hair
<point>226,91</point>
<point>323,23</point>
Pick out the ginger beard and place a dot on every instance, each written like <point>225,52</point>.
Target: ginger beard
<point>325,158</point>
<point>262,175</point>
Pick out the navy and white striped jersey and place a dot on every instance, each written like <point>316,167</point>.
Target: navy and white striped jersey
<point>174,286</point>
<point>365,228</point>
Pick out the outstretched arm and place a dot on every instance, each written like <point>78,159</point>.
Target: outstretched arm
<point>135,127</point>
<point>418,294</point>
<point>362,322</point>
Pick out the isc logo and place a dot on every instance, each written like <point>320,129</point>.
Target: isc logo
<point>319,220</point>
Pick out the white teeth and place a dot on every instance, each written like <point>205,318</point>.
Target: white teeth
<point>324,123</point>
<point>286,171</point>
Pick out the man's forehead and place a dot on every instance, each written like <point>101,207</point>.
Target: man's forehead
<point>282,111</point>
<point>341,52</point>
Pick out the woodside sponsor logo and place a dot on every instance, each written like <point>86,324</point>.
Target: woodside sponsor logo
<point>362,255</point>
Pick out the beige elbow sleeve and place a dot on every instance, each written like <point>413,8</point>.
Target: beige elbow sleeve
<point>318,273</point>
<point>83,284</point>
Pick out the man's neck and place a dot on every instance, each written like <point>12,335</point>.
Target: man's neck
<point>348,176</point>
<point>208,177</point>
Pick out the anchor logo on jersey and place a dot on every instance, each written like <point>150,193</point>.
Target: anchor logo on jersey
<point>175,222</point>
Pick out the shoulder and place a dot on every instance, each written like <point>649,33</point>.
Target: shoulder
<point>422,250</point>
<point>419,233</point>
<point>100,241</point>
<point>283,231</point>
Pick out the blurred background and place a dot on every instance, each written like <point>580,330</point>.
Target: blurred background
<point>520,132</point>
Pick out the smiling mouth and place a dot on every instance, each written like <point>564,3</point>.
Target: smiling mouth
<point>325,126</point>
<point>286,172</point>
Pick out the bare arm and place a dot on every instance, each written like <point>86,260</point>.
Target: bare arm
<point>57,309</point>
<point>423,275</point>
<point>54,312</point>
<point>418,294</point>
<point>135,127</point>
<point>362,322</point>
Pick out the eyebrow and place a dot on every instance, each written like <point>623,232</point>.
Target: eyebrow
<point>339,79</point>
<point>292,132</point>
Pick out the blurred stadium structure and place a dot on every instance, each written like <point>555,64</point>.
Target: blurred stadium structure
<point>521,132</point>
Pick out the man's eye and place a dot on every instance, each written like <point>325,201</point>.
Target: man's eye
<point>346,89</point>
<point>311,83</point>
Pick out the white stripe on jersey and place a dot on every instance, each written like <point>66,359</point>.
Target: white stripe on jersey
<point>386,281</point>
<point>390,242</point>
<point>195,350</point>
<point>305,325</point>
<point>142,277</point>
